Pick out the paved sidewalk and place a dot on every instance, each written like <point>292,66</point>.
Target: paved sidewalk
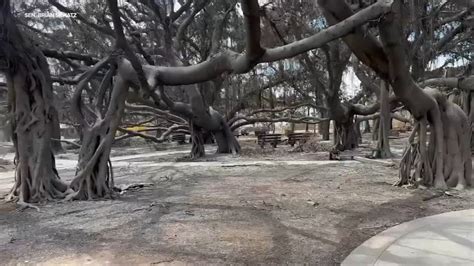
<point>444,239</point>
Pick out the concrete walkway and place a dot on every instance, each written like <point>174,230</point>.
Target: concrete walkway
<point>444,239</point>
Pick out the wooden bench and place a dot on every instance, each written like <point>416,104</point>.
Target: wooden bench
<point>272,139</point>
<point>298,137</point>
<point>179,138</point>
<point>259,132</point>
<point>244,132</point>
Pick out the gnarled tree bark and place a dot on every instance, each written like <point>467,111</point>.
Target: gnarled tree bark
<point>390,62</point>
<point>30,89</point>
<point>94,175</point>
<point>383,144</point>
<point>203,117</point>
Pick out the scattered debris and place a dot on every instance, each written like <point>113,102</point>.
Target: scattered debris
<point>162,261</point>
<point>131,187</point>
<point>153,204</point>
<point>453,194</point>
<point>313,144</point>
<point>271,205</point>
<point>189,212</point>
<point>432,195</point>
<point>312,203</point>
<point>381,162</point>
<point>165,178</point>
<point>436,194</point>
<point>24,205</point>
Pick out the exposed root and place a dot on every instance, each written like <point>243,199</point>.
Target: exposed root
<point>37,186</point>
<point>94,176</point>
<point>24,205</point>
<point>197,140</point>
<point>226,141</point>
<point>132,187</point>
<point>420,161</point>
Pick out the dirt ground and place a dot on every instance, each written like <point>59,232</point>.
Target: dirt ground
<point>264,207</point>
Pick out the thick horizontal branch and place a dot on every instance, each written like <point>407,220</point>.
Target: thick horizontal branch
<point>252,120</point>
<point>360,109</point>
<point>88,59</point>
<point>267,110</point>
<point>463,83</point>
<point>331,33</point>
<point>140,123</point>
<point>290,107</point>
<point>233,62</point>
<point>395,116</point>
<point>162,138</point>
<point>244,100</point>
<point>277,110</point>
<point>457,17</point>
<point>66,81</point>
<point>132,133</point>
<point>75,144</point>
<point>156,111</point>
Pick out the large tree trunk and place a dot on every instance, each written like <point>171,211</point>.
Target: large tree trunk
<point>422,105</point>
<point>324,126</point>
<point>324,129</point>
<point>215,123</point>
<point>197,141</point>
<point>375,129</point>
<point>226,140</point>
<point>30,89</point>
<point>211,120</point>
<point>204,117</point>
<point>94,175</point>
<point>469,108</point>
<point>345,134</point>
<point>457,165</point>
<point>56,132</point>
<point>390,63</point>
<point>383,144</point>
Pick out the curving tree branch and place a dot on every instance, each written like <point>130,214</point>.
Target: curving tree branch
<point>233,62</point>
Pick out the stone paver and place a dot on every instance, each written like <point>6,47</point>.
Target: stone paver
<point>444,239</point>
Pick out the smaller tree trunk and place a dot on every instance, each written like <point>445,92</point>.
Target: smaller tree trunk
<point>197,140</point>
<point>324,126</point>
<point>30,100</point>
<point>226,141</point>
<point>375,129</point>
<point>6,132</point>
<point>366,127</point>
<point>94,175</point>
<point>56,133</point>
<point>345,135</point>
<point>383,144</point>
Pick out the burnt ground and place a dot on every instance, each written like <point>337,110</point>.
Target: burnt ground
<point>264,207</point>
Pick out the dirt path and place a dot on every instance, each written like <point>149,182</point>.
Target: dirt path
<point>223,211</point>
